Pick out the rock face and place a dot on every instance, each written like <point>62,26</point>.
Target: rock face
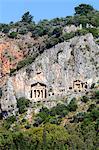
<point>68,68</point>
<point>10,54</point>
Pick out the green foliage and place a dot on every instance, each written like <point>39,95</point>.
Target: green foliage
<point>84,99</point>
<point>13,35</point>
<point>54,115</point>
<point>91,107</point>
<point>94,114</point>
<point>72,105</point>
<point>78,118</point>
<point>5,28</point>
<point>81,32</point>
<point>81,19</point>
<point>60,109</point>
<point>68,36</point>
<point>83,9</point>
<point>10,120</point>
<point>12,71</point>
<point>26,61</point>
<point>48,137</point>
<point>22,30</point>
<point>22,104</point>
<point>97,94</point>
<point>94,31</point>
<point>52,41</point>
<point>27,17</point>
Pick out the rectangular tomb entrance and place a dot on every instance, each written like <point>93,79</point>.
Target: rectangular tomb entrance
<point>79,86</point>
<point>38,91</point>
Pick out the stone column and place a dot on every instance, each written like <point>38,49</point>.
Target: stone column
<point>42,93</point>
<point>34,93</point>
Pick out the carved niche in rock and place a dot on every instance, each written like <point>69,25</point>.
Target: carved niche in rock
<point>38,91</point>
<point>79,86</point>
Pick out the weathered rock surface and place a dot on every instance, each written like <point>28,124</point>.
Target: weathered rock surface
<point>68,68</point>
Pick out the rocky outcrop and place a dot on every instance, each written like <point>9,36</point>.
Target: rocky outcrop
<point>10,54</point>
<point>69,68</point>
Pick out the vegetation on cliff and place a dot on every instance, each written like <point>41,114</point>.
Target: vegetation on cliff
<point>48,33</point>
<point>65,126</point>
<point>72,126</point>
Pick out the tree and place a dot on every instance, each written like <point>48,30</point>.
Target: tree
<point>83,9</point>
<point>22,104</point>
<point>72,105</point>
<point>27,17</point>
<point>6,28</point>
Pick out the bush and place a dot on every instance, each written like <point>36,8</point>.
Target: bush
<point>91,107</point>
<point>12,71</point>
<point>10,120</point>
<point>97,94</point>
<point>78,118</point>
<point>94,114</point>
<point>13,35</point>
<point>81,32</point>
<point>84,99</point>
<point>22,104</point>
<point>54,120</point>
<point>72,105</point>
<point>60,109</point>
<point>38,120</point>
<point>5,29</point>
<point>26,61</point>
<point>94,31</point>
<point>22,31</point>
<point>52,41</point>
<point>68,36</point>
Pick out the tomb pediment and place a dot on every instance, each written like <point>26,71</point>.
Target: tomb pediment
<point>38,84</point>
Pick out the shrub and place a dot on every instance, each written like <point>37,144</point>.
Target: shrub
<point>72,105</point>
<point>9,121</point>
<point>13,35</point>
<point>68,36</point>
<point>81,32</point>
<point>53,120</point>
<point>12,71</point>
<point>94,31</point>
<point>52,41</point>
<point>79,117</point>
<point>26,61</point>
<point>60,109</point>
<point>94,114</point>
<point>91,107</point>
<point>5,29</point>
<point>23,31</point>
<point>22,104</point>
<point>97,94</point>
<point>38,120</point>
<point>84,99</point>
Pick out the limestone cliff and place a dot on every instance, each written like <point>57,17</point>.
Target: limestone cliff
<point>69,68</point>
